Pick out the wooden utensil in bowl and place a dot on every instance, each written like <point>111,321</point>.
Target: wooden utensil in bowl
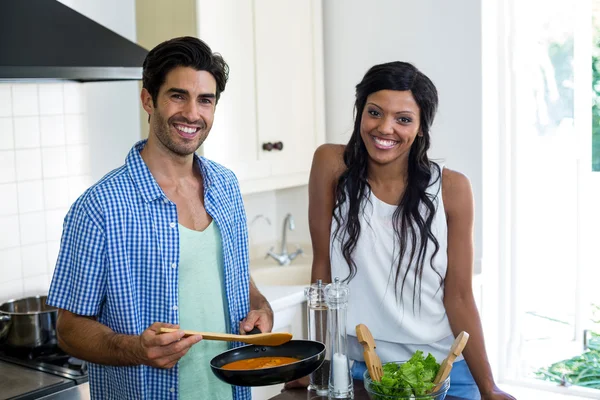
<point>261,339</point>
<point>457,347</point>
<point>371,358</point>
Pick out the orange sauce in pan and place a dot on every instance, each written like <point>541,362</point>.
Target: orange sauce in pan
<point>259,363</point>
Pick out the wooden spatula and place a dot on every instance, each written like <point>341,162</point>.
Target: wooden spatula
<point>371,358</point>
<point>457,347</point>
<point>261,339</point>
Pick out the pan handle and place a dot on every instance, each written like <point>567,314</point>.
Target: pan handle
<point>254,331</point>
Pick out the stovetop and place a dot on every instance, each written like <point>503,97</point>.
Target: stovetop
<point>50,359</point>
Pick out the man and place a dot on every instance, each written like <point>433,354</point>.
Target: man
<point>159,242</point>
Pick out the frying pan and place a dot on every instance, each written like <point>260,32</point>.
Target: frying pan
<point>310,355</point>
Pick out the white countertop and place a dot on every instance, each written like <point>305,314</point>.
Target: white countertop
<point>281,297</point>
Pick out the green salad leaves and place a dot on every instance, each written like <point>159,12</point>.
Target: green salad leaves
<point>414,377</point>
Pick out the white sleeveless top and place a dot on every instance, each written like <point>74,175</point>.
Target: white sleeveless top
<point>398,330</point>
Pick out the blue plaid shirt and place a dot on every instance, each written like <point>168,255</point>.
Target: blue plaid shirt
<point>118,261</point>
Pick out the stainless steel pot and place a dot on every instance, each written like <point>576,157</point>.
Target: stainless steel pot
<point>28,322</point>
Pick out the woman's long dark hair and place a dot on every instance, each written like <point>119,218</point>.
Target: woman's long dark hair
<point>414,215</point>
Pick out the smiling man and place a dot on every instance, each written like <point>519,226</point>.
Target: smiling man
<point>160,242</point>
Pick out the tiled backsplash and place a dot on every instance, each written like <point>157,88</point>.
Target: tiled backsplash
<point>44,167</point>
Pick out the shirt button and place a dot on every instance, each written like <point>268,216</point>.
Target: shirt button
<point>166,201</point>
<point>175,308</point>
<point>172,390</point>
<point>173,265</point>
<point>172,224</point>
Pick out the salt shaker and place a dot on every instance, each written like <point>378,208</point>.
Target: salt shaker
<point>317,330</point>
<point>340,380</point>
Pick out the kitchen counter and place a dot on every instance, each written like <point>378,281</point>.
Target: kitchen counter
<point>302,394</point>
<point>79,392</point>
<point>281,297</point>
<point>19,382</point>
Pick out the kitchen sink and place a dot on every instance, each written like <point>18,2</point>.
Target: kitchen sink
<point>295,274</point>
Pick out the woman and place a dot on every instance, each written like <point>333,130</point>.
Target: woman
<point>398,228</point>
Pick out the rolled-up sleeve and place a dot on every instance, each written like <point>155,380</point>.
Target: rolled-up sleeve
<point>79,281</point>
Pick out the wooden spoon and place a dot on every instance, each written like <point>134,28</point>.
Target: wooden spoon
<point>371,358</point>
<point>261,339</point>
<point>457,347</point>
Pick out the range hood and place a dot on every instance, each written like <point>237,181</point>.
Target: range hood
<point>44,39</point>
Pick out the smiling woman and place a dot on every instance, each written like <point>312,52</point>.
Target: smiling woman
<point>399,229</point>
<point>389,125</point>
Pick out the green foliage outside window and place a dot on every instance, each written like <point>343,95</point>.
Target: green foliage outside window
<point>582,370</point>
<point>596,100</point>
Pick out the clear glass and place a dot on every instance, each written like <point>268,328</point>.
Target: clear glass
<point>340,380</point>
<point>317,330</point>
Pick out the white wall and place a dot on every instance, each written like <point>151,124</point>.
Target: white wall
<point>443,39</point>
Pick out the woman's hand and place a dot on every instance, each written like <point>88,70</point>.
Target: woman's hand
<point>496,394</point>
<point>300,383</point>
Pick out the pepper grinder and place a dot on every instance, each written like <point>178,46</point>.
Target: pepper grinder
<point>317,330</point>
<point>340,380</point>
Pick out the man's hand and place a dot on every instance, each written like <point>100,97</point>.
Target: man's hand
<point>163,350</point>
<point>260,315</point>
<point>262,319</point>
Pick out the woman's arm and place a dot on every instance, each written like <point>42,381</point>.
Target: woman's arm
<point>326,168</point>
<point>458,291</point>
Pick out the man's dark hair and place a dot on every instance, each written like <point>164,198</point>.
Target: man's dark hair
<point>183,51</point>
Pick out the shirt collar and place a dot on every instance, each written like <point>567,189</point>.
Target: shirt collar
<point>145,182</point>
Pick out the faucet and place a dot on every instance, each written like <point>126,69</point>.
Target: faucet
<point>285,258</point>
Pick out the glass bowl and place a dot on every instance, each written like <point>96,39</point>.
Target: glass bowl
<point>374,394</point>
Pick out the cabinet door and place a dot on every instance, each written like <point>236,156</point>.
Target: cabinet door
<point>286,78</point>
<point>227,26</point>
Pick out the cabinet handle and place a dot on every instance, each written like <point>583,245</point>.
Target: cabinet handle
<point>272,146</point>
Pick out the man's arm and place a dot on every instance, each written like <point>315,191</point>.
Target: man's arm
<point>260,315</point>
<point>87,339</point>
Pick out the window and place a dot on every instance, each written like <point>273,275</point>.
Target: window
<point>552,234</point>
<point>596,86</point>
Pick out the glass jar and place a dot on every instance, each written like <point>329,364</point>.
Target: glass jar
<point>316,309</point>
<point>340,379</point>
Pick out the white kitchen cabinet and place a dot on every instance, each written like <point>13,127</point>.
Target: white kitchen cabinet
<point>287,66</point>
<point>228,27</point>
<point>275,92</point>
